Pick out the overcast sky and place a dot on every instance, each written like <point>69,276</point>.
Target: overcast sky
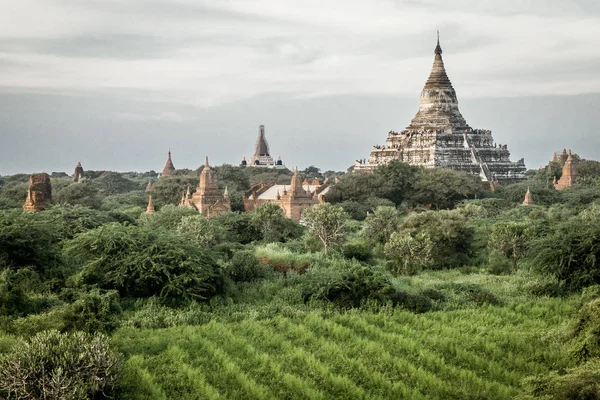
<point>114,83</point>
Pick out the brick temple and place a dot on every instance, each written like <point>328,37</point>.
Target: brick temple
<point>438,136</point>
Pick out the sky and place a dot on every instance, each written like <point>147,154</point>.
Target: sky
<point>115,84</point>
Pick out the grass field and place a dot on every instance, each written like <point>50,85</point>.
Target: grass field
<point>477,353</point>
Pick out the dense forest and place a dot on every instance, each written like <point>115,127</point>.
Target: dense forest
<point>406,283</point>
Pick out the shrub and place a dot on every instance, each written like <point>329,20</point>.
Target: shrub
<point>61,366</point>
<point>346,283</point>
<point>93,312</point>
<point>245,267</point>
<point>450,233</point>
<point>498,264</point>
<point>417,303</point>
<point>568,252</point>
<point>577,383</point>
<point>200,230</point>
<point>359,250</point>
<point>586,332</point>
<point>270,220</point>
<point>27,239</point>
<point>139,263</point>
<point>168,217</point>
<point>409,254</point>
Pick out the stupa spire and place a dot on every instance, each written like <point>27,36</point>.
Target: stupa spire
<point>169,168</point>
<point>438,106</point>
<point>150,208</point>
<point>262,147</point>
<point>438,48</point>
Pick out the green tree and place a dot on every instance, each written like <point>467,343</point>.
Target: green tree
<point>449,231</point>
<point>167,217</point>
<point>85,194</point>
<point>311,173</point>
<point>399,180</point>
<point>110,183</point>
<point>510,239</point>
<point>326,222</point>
<point>273,225</point>
<point>409,254</point>
<point>168,189</point>
<point>443,188</point>
<point>569,250</point>
<point>380,224</point>
<point>200,230</point>
<point>27,239</point>
<point>142,263</point>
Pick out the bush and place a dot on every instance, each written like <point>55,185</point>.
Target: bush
<point>498,264</point>
<point>568,252</point>
<point>27,239</point>
<point>577,383</point>
<point>93,312</point>
<point>450,233</point>
<point>168,217</point>
<point>417,303</point>
<point>347,284</point>
<point>61,366</point>
<point>270,220</point>
<point>586,332</point>
<point>245,267</point>
<point>139,263</point>
<point>200,230</point>
<point>359,250</point>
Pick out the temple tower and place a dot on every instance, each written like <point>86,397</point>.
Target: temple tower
<point>39,193</point>
<point>438,136</point>
<point>569,174</point>
<point>262,156</point>
<point>207,199</point>
<point>292,201</point>
<point>169,168</point>
<point>78,173</point>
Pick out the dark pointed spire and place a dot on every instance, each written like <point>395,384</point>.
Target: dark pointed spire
<point>262,148</point>
<point>438,48</point>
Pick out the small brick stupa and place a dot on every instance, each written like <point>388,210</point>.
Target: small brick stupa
<point>528,198</point>
<point>39,193</point>
<point>169,168</point>
<point>569,174</point>
<point>150,208</point>
<point>78,173</point>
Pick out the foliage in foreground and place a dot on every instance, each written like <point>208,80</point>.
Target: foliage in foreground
<point>463,354</point>
<point>61,366</point>
<point>139,263</point>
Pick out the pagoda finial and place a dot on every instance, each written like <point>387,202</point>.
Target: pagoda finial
<point>438,48</point>
<point>206,162</point>
<point>150,208</point>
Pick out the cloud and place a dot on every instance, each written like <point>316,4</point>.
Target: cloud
<point>209,53</point>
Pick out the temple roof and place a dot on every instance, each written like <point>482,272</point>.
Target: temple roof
<point>262,148</point>
<point>438,106</point>
<point>169,167</point>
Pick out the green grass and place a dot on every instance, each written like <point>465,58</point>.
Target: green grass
<point>471,353</point>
